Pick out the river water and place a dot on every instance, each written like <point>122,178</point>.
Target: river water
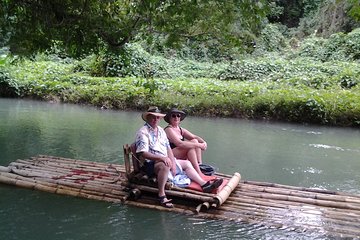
<point>299,155</point>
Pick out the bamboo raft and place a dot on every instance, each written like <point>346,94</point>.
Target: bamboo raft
<point>272,205</point>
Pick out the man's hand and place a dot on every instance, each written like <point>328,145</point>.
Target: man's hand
<point>167,161</point>
<point>170,163</point>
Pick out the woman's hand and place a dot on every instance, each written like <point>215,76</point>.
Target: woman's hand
<point>203,146</point>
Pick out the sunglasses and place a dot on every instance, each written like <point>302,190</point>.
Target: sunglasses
<point>175,115</point>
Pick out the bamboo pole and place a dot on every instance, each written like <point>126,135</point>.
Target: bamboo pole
<point>189,196</point>
<point>317,190</point>
<point>85,175</point>
<point>4,169</point>
<point>299,193</point>
<point>266,203</point>
<point>325,203</point>
<point>55,163</point>
<point>71,164</point>
<point>70,161</point>
<point>61,189</point>
<point>127,159</point>
<point>280,203</point>
<point>227,189</point>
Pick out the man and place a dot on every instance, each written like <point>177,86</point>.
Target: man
<point>153,145</point>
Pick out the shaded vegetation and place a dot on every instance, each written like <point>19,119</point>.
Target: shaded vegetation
<point>81,27</point>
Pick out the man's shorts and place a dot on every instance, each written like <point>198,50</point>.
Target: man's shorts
<point>148,168</point>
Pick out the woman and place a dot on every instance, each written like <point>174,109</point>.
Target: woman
<point>184,144</point>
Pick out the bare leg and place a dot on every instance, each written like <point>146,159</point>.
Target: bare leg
<point>189,154</point>
<point>198,151</point>
<point>161,172</point>
<point>191,172</point>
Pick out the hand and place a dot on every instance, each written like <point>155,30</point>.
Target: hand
<point>203,146</point>
<point>167,161</point>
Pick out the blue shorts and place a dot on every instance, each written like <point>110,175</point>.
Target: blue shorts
<point>149,167</point>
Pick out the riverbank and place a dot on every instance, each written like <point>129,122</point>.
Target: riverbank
<point>294,91</point>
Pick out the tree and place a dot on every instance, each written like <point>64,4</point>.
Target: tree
<point>82,26</point>
<point>354,9</point>
<point>290,12</point>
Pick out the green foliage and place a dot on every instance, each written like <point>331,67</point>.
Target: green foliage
<point>301,90</point>
<point>270,40</point>
<point>300,72</point>
<point>311,6</point>
<point>131,61</point>
<point>135,61</point>
<point>352,44</point>
<point>83,27</point>
<point>8,86</point>
<point>354,11</point>
<point>289,11</point>
<point>339,46</point>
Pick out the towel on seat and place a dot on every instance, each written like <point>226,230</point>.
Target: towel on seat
<point>180,179</point>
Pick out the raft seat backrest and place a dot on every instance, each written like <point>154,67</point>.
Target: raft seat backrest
<point>137,159</point>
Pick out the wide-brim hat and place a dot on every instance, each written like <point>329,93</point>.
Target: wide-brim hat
<point>153,111</point>
<point>174,110</point>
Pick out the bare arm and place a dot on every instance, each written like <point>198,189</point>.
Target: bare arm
<point>155,157</point>
<point>189,136</point>
<point>172,158</point>
<point>174,138</point>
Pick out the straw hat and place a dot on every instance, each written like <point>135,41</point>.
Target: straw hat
<point>153,111</point>
<point>174,110</point>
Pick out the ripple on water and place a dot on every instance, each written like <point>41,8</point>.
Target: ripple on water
<point>324,146</point>
<point>216,229</point>
<point>297,170</point>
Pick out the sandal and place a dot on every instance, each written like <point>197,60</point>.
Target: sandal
<point>165,202</point>
<point>211,185</point>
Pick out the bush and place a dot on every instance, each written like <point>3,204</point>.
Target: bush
<point>134,61</point>
<point>338,47</point>
<point>8,86</point>
<point>352,44</point>
<point>270,40</point>
<point>249,70</point>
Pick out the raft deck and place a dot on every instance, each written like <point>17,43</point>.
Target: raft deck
<point>272,205</point>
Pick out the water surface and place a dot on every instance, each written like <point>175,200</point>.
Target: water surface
<point>309,156</point>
